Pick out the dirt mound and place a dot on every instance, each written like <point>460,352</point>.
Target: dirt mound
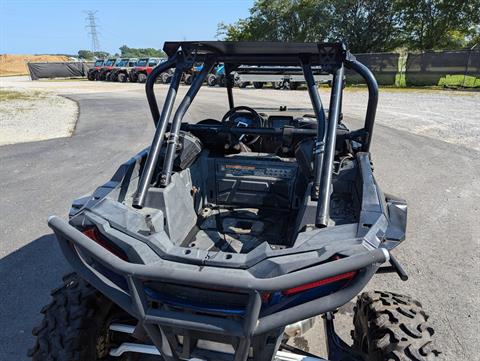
<point>17,64</point>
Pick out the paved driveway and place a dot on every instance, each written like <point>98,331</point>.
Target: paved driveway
<point>440,180</point>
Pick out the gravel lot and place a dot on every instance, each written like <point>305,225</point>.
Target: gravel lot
<point>425,149</point>
<point>451,116</point>
<point>36,115</point>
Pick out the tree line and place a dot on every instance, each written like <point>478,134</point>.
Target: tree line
<point>364,25</point>
<point>125,52</point>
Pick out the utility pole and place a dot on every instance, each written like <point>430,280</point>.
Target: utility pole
<point>91,26</point>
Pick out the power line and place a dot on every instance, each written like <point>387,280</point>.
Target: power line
<point>91,26</point>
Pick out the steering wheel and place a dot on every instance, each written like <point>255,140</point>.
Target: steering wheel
<point>249,119</point>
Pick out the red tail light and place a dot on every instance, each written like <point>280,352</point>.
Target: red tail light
<point>96,236</point>
<point>344,276</point>
<point>265,296</point>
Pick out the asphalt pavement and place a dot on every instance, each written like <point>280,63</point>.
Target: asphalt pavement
<point>440,180</point>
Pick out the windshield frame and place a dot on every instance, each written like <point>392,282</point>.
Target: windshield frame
<point>122,62</point>
<point>110,62</point>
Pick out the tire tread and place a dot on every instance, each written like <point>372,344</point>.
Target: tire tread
<point>64,333</point>
<point>395,327</point>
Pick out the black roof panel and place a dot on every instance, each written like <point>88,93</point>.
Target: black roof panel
<point>261,52</point>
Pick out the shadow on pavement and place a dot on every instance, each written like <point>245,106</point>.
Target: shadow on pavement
<point>26,278</point>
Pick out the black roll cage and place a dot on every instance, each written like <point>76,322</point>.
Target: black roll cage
<point>333,58</point>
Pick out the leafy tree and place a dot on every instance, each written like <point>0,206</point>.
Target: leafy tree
<point>439,24</point>
<point>102,54</point>
<point>88,55</point>
<point>283,20</point>
<point>85,54</point>
<point>127,52</point>
<point>365,25</point>
<point>474,39</point>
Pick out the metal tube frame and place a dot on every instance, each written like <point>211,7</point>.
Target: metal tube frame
<point>153,154</point>
<point>152,102</point>
<point>230,82</point>
<point>231,103</point>
<point>80,250</point>
<point>325,143</point>
<point>172,141</point>
<point>321,119</point>
<point>372,85</point>
<point>323,206</point>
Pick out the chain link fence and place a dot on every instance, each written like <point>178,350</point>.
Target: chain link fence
<point>383,65</point>
<point>460,68</point>
<point>447,68</point>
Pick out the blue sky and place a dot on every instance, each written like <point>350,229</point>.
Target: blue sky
<point>54,26</point>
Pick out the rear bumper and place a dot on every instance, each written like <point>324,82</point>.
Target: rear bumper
<point>83,253</point>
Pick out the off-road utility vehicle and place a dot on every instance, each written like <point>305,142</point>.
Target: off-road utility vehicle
<point>226,237</point>
<point>289,78</point>
<point>105,70</point>
<point>92,73</point>
<point>122,68</point>
<point>190,74</point>
<point>142,69</point>
<point>217,76</point>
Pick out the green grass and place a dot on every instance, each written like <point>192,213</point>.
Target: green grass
<point>8,95</point>
<point>455,81</point>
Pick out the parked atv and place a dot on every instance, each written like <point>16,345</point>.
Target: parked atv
<point>190,74</point>
<point>122,68</point>
<point>143,68</point>
<point>280,77</point>
<point>92,73</point>
<point>165,77</point>
<point>227,237</point>
<point>217,76</point>
<point>105,70</point>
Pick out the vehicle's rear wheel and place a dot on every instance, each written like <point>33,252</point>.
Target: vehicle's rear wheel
<point>257,84</point>
<point>222,81</point>
<point>122,78</point>
<point>389,326</point>
<point>188,79</point>
<point>277,85</point>
<point>291,85</point>
<point>91,75</point>
<point>75,324</point>
<point>142,78</point>
<point>132,77</point>
<point>212,80</point>
<point>165,77</point>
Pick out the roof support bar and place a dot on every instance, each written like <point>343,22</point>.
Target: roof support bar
<point>177,120</point>
<point>323,206</point>
<point>152,102</point>
<point>321,120</point>
<point>229,82</point>
<point>154,152</point>
<point>372,98</point>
